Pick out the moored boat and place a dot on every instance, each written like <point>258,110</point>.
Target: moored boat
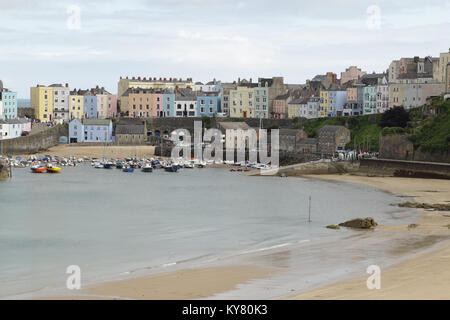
<point>147,167</point>
<point>38,169</point>
<point>119,164</point>
<point>128,169</point>
<point>53,169</point>
<point>108,165</point>
<point>171,168</point>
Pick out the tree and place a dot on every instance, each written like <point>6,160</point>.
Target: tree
<point>395,117</point>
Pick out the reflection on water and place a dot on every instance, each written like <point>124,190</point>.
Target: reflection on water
<point>114,224</point>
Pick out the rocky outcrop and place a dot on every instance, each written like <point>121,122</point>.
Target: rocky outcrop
<point>359,223</point>
<point>3,170</point>
<point>433,206</point>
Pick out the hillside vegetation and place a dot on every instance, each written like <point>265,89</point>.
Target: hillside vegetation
<point>429,132</point>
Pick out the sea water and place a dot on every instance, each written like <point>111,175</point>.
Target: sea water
<point>114,225</point>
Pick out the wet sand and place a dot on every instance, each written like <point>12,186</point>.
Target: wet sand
<point>424,276</point>
<point>183,284</point>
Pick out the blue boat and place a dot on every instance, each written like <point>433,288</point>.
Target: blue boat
<point>128,169</point>
<point>171,168</point>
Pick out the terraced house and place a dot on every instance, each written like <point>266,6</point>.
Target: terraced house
<point>241,102</point>
<point>8,103</point>
<point>158,84</point>
<point>61,101</point>
<point>41,100</point>
<point>76,104</point>
<point>324,102</point>
<point>208,103</point>
<point>336,101</point>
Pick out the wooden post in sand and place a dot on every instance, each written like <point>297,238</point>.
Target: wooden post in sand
<point>309,210</point>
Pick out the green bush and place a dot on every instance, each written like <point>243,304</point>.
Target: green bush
<point>392,130</point>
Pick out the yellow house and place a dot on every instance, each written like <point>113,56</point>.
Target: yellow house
<point>102,106</point>
<point>242,102</point>
<point>76,105</point>
<point>395,95</point>
<point>324,103</point>
<point>444,60</point>
<point>41,100</point>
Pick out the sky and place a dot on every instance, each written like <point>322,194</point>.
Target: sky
<point>94,42</point>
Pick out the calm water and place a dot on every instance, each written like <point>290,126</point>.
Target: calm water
<point>114,224</point>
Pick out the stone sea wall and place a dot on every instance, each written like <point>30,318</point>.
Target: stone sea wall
<point>33,143</point>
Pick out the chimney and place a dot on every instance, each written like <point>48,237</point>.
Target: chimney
<point>239,80</point>
<point>165,79</point>
<point>134,78</point>
<point>120,77</point>
<point>67,85</point>
<point>127,77</point>
<point>139,78</point>
<point>160,78</point>
<point>250,80</point>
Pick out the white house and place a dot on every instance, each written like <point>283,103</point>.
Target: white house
<point>90,130</point>
<point>10,129</point>
<point>185,106</point>
<point>4,130</point>
<point>61,102</point>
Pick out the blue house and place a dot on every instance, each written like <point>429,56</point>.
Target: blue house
<point>90,130</point>
<point>8,104</point>
<point>169,98</point>
<point>337,100</point>
<point>208,103</point>
<point>90,105</point>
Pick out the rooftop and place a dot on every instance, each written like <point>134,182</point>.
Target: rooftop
<point>130,129</point>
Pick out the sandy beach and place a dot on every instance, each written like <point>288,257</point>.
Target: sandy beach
<point>423,276</point>
<point>426,275</point>
<point>69,150</point>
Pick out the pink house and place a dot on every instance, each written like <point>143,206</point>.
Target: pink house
<point>111,105</point>
<point>158,110</point>
<point>279,110</point>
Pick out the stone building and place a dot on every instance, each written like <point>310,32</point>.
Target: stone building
<point>352,73</point>
<point>332,138</point>
<point>307,145</point>
<point>131,134</point>
<point>289,138</point>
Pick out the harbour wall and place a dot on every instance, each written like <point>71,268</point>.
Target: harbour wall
<point>33,143</point>
<point>404,168</point>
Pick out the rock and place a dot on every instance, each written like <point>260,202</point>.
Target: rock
<point>359,223</point>
<point>333,226</point>
<point>433,206</point>
<point>3,170</point>
<point>412,226</point>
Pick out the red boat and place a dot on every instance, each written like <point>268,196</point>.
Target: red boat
<point>38,169</point>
